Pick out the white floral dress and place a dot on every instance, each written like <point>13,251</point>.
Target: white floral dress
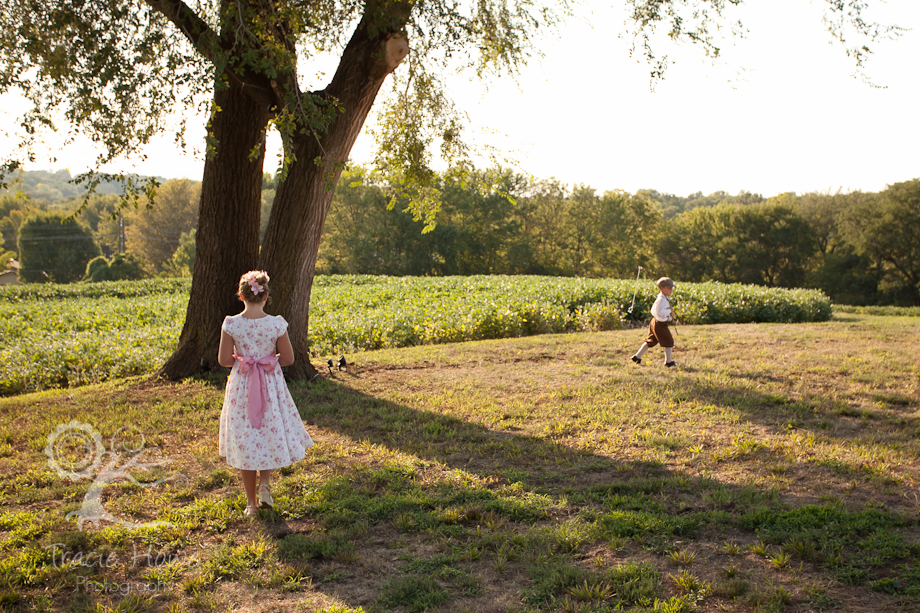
<point>281,438</point>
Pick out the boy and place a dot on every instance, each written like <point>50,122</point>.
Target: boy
<point>658,332</point>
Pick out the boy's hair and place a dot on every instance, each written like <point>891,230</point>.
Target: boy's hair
<point>254,286</point>
<point>665,282</point>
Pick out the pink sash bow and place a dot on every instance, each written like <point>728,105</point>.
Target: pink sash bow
<point>256,408</point>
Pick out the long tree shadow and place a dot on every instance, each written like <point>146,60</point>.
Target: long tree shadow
<point>546,465</point>
<point>644,503</point>
<point>812,411</point>
<point>533,461</point>
<point>825,423</point>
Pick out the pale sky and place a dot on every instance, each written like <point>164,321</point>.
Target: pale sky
<point>781,111</point>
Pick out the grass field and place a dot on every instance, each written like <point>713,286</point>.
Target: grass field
<point>775,470</point>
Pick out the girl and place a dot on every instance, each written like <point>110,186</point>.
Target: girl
<point>260,428</point>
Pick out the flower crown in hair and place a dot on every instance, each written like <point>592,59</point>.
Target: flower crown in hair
<point>250,278</point>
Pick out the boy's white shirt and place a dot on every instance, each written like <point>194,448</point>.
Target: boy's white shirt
<point>661,310</point>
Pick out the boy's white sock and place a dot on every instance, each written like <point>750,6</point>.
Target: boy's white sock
<point>667,354</point>
<point>642,350</point>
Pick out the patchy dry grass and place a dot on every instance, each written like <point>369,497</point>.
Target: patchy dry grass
<point>775,470</point>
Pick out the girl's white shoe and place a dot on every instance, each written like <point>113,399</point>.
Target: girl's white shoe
<point>265,498</point>
<point>251,510</point>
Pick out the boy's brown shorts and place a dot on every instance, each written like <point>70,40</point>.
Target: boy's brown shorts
<point>659,334</point>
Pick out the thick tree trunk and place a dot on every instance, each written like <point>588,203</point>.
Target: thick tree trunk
<point>227,239</point>
<point>291,243</point>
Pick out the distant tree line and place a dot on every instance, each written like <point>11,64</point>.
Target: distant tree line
<point>102,242</point>
<point>860,248</point>
<point>497,223</point>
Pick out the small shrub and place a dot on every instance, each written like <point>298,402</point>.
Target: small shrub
<point>780,560</point>
<point>731,588</point>
<point>218,478</point>
<point>321,547</point>
<point>682,557</point>
<point>731,548</point>
<point>675,604</point>
<point>593,591</point>
<point>120,268</point>
<point>769,600</point>
<point>687,582</point>
<point>414,592</point>
<point>759,548</point>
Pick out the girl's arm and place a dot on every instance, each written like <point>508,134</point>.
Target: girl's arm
<point>285,350</point>
<point>225,351</point>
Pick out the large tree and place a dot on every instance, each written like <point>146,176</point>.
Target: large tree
<point>154,232</point>
<point>116,68</point>
<point>887,230</point>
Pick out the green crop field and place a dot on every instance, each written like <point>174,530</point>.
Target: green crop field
<point>69,335</point>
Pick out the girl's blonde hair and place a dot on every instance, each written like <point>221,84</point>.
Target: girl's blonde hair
<point>254,286</point>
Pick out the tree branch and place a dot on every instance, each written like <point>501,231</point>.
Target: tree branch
<point>208,44</point>
<point>193,27</point>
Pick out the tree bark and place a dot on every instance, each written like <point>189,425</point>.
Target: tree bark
<point>227,238</point>
<point>292,238</point>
